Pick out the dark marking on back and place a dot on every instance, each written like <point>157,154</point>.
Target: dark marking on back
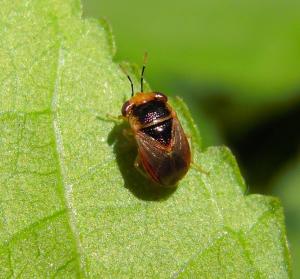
<point>162,132</point>
<point>150,111</point>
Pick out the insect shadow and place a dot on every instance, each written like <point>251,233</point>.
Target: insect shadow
<point>125,149</point>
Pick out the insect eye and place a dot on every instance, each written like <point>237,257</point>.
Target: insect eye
<point>125,108</point>
<point>161,97</point>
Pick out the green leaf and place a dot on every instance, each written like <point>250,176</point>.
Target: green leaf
<point>72,204</point>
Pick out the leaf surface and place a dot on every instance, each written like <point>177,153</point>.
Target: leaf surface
<point>71,202</point>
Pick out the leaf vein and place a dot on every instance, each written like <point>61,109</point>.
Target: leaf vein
<point>67,188</point>
<point>198,253</point>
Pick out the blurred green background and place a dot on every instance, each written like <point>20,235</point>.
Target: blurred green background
<point>237,66</point>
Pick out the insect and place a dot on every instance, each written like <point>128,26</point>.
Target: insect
<point>163,149</point>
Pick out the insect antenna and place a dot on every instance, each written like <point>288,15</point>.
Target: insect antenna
<point>131,83</point>
<point>143,70</point>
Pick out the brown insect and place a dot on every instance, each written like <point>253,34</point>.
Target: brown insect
<point>163,149</point>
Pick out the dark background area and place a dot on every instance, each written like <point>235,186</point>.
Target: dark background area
<point>237,65</point>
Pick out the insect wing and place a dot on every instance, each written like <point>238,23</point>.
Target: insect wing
<point>165,165</point>
<point>180,144</point>
<point>151,155</point>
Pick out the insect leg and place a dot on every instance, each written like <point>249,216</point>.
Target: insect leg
<point>193,164</point>
<point>112,118</point>
<point>127,133</point>
<point>199,168</point>
<point>139,167</point>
